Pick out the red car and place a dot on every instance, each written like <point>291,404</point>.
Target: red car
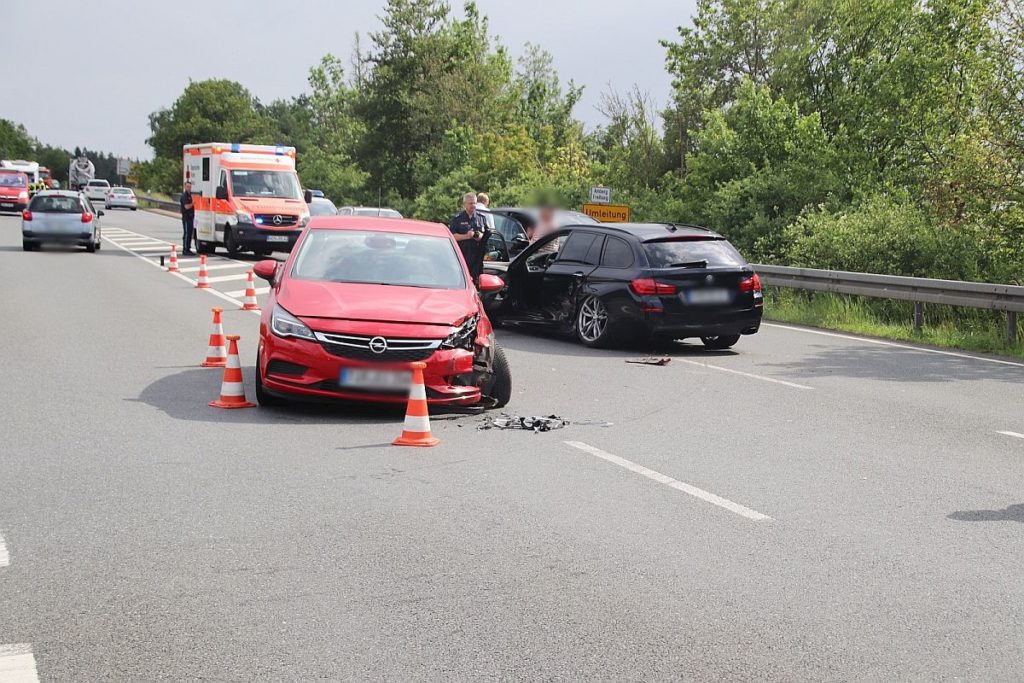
<point>13,190</point>
<point>359,299</point>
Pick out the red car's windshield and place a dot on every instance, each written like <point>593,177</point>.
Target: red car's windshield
<point>381,258</point>
<point>12,180</point>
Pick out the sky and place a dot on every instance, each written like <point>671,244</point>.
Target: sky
<point>92,72</point>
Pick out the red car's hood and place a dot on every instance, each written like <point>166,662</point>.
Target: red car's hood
<point>378,303</point>
<point>6,191</point>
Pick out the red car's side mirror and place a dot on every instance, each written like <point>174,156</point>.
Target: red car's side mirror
<point>266,270</point>
<point>490,283</point>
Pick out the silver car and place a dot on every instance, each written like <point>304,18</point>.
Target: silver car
<point>60,217</point>
<point>368,211</point>
<point>121,197</point>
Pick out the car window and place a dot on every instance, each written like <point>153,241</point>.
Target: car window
<point>508,227</point>
<point>12,180</point>
<point>594,253</point>
<point>577,246</point>
<point>322,207</point>
<point>55,204</point>
<point>99,183</point>
<point>383,258</point>
<point>496,249</point>
<point>617,253</point>
<point>677,253</point>
<point>122,190</point>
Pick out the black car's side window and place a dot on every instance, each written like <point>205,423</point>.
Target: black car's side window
<point>617,253</point>
<point>594,253</point>
<point>577,247</point>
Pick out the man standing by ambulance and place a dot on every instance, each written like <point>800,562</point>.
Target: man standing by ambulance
<point>188,219</point>
<point>469,228</point>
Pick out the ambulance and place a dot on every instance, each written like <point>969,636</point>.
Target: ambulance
<point>246,197</point>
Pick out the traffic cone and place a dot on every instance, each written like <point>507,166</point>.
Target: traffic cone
<point>202,282</point>
<point>232,389</point>
<point>250,296</point>
<point>216,357</point>
<point>172,266</point>
<point>416,431</point>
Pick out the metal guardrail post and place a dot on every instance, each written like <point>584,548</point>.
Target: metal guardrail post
<point>1011,328</point>
<point>918,316</point>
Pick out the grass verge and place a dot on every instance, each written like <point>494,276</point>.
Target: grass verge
<point>957,328</point>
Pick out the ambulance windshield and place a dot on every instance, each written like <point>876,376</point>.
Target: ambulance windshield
<point>282,184</point>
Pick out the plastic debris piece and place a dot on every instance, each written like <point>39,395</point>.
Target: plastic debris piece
<point>650,360</point>
<point>532,423</point>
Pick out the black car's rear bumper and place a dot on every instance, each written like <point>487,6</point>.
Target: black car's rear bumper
<point>708,324</point>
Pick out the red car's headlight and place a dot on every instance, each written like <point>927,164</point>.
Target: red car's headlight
<point>284,324</point>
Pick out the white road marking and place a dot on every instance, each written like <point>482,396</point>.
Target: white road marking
<point>228,278</point>
<point>5,558</point>
<point>896,345</point>
<point>669,481</point>
<point>187,279</point>
<point>17,664</point>
<point>155,249</point>
<point>241,292</point>
<point>1019,436</point>
<point>744,374</point>
<point>215,266</point>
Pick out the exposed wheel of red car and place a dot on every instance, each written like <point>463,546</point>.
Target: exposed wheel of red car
<point>499,386</point>
<point>720,342</point>
<point>262,397</point>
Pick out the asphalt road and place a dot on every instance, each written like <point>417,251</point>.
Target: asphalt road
<point>808,506</point>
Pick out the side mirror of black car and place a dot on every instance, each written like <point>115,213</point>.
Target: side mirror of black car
<point>308,196</point>
<point>519,242</point>
<point>222,192</point>
<point>100,212</point>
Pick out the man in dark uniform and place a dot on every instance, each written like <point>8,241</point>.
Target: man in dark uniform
<point>188,219</point>
<point>470,230</point>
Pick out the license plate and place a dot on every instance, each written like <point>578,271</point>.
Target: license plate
<point>7,205</point>
<point>277,238</point>
<point>368,378</point>
<point>709,295</point>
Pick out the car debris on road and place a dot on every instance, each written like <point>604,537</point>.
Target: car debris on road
<point>650,360</point>
<point>533,423</point>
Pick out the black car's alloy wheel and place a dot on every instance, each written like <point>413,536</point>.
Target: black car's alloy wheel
<point>592,322</point>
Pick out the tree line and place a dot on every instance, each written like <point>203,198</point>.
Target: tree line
<point>17,143</point>
<point>877,135</point>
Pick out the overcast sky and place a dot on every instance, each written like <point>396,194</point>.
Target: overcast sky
<point>89,73</point>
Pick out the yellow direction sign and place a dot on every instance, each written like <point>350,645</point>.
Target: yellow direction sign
<point>607,213</point>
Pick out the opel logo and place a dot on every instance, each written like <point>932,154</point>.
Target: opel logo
<point>378,345</point>
<point>278,220</point>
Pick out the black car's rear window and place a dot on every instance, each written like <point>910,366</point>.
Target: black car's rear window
<point>56,204</point>
<point>682,253</point>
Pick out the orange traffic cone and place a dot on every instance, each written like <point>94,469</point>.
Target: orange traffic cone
<point>172,266</point>
<point>216,357</point>
<point>416,431</point>
<point>250,296</point>
<point>202,282</point>
<point>232,389</point>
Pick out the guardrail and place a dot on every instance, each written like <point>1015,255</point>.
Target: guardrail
<point>992,297</point>
<point>159,203</point>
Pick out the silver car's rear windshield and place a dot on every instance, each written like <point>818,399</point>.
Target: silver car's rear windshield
<point>381,258</point>
<point>98,183</point>
<point>56,204</point>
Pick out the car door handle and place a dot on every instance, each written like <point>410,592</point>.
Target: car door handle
<point>578,275</point>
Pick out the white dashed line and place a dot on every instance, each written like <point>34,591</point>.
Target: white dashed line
<point>879,342</point>
<point>215,266</point>
<point>744,374</point>
<point>17,664</point>
<point>5,558</point>
<point>241,292</point>
<point>228,278</point>
<point>1014,434</point>
<point>669,481</point>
